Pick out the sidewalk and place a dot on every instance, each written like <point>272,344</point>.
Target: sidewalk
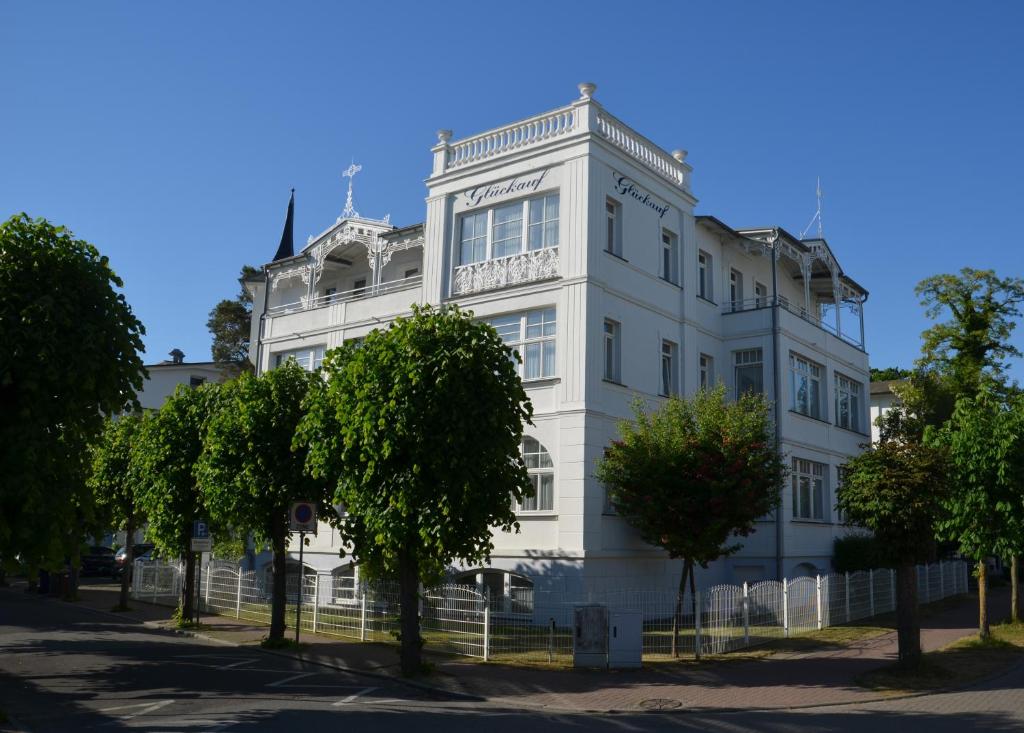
<point>782,680</point>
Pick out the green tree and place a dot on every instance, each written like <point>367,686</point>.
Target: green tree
<point>229,323</point>
<point>69,353</point>
<point>693,476</point>
<point>249,473</point>
<point>169,447</point>
<point>888,374</point>
<point>897,490</point>
<point>984,509</point>
<point>418,429</point>
<point>975,341</point>
<point>116,487</point>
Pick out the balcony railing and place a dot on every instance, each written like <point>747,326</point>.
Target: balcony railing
<point>322,301</point>
<point>750,304</point>
<point>512,137</point>
<point>538,264</point>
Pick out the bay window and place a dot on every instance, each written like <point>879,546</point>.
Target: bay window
<point>805,386</point>
<point>500,232</point>
<point>532,335</point>
<point>848,403</point>
<point>809,491</point>
<point>749,371</point>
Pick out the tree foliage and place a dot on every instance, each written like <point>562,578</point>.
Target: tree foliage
<point>695,475</point>
<point>115,486</point>
<point>418,430</point>
<point>975,341</point>
<point>250,474</point>
<point>229,324</point>
<point>889,374</point>
<point>168,449</point>
<point>69,353</point>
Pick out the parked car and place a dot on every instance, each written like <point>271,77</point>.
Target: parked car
<point>141,550</point>
<point>98,561</point>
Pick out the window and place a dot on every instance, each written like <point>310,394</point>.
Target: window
<point>359,287</point>
<point>808,480</point>
<point>749,371</point>
<point>805,386</point>
<point>840,475</point>
<point>761,294</point>
<point>543,223</point>
<point>473,239</point>
<point>848,403</point>
<point>500,232</point>
<point>343,584</point>
<point>308,357</point>
<point>704,275</point>
<point>194,382</point>
<point>669,256</point>
<point>707,371</point>
<point>532,336</point>
<point>542,476</point>
<point>613,239</point>
<point>668,368</point>
<point>611,351</point>
<point>411,273</point>
<point>736,290</point>
<point>329,294</point>
<point>507,230</point>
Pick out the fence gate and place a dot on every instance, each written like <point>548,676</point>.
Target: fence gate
<point>456,618</point>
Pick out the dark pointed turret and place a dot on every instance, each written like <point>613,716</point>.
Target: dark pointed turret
<point>287,249</point>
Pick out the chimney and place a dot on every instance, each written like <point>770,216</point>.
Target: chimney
<point>177,356</point>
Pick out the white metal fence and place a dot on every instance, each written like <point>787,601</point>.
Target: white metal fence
<point>536,625</point>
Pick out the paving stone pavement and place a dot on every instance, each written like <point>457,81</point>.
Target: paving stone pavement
<point>783,680</point>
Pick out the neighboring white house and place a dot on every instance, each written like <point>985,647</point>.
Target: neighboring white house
<point>576,237</point>
<point>882,400</point>
<point>165,376</point>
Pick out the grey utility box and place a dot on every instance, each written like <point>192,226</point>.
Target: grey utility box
<point>590,636</point>
<point>626,639</point>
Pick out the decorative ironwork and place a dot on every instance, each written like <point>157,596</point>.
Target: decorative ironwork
<point>540,264</point>
<point>350,173</point>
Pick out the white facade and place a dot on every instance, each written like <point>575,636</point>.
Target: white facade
<point>165,377</point>
<point>576,237</point>
<point>883,399</point>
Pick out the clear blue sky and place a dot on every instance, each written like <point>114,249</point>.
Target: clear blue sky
<point>169,134</point>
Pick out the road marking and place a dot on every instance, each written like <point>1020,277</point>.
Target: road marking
<point>147,707</point>
<point>237,664</point>
<point>286,680</point>
<point>350,698</point>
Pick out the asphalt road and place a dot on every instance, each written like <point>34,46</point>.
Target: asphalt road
<point>66,668</point>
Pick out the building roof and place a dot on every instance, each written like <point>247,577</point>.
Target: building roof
<point>885,386</point>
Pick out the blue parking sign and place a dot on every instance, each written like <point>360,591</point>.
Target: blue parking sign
<point>200,529</point>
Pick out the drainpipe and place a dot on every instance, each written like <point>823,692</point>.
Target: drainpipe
<point>263,320</point>
<point>777,385</point>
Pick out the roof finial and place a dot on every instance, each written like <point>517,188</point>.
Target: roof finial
<point>817,215</point>
<point>587,89</point>
<point>350,173</point>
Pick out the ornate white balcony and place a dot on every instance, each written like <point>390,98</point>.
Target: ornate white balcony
<point>538,264</point>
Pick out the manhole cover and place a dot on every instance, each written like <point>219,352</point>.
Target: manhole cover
<point>660,703</point>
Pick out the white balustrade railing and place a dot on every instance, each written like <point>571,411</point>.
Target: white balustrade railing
<point>538,264</point>
<point>641,148</point>
<point>368,291</point>
<point>512,137</point>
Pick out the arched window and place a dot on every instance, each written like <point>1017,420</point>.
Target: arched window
<point>343,583</point>
<point>507,592</point>
<point>542,475</point>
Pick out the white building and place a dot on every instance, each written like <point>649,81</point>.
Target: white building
<point>883,399</point>
<point>576,237</point>
<point>165,376</point>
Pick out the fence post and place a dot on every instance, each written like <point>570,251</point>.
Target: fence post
<point>487,628</point>
<point>847,595</point>
<point>362,616</point>
<point>785,608</point>
<point>942,581</point>
<point>238,595</point>
<point>206,597</point>
<point>746,614</point>
<point>316,599</point>
<point>871,589</point>
<point>817,590</point>
<point>697,640</point>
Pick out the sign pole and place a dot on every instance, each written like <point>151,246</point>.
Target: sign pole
<point>199,587</point>
<point>298,601</point>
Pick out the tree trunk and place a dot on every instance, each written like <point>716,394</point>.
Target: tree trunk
<point>908,619</point>
<point>983,630</point>
<point>408,589</point>
<point>679,608</point>
<point>129,558</point>
<point>279,595</point>
<point>1014,591</point>
<point>189,586</point>
<point>73,570</point>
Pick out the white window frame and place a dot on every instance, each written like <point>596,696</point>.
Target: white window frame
<point>541,469</point>
<point>760,294</point>
<point>549,227</point>
<point>612,352</point>
<point>537,332</point>
<point>668,379</point>
<point>809,481</point>
<point>851,392</point>
<point>736,289</point>
<point>704,279</point>
<point>613,227</point>
<point>804,371</point>
<point>744,359</point>
<point>706,366</point>
<point>668,263</point>
<point>309,358</point>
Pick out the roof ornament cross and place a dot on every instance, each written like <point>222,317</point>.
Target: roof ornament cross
<point>350,173</point>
